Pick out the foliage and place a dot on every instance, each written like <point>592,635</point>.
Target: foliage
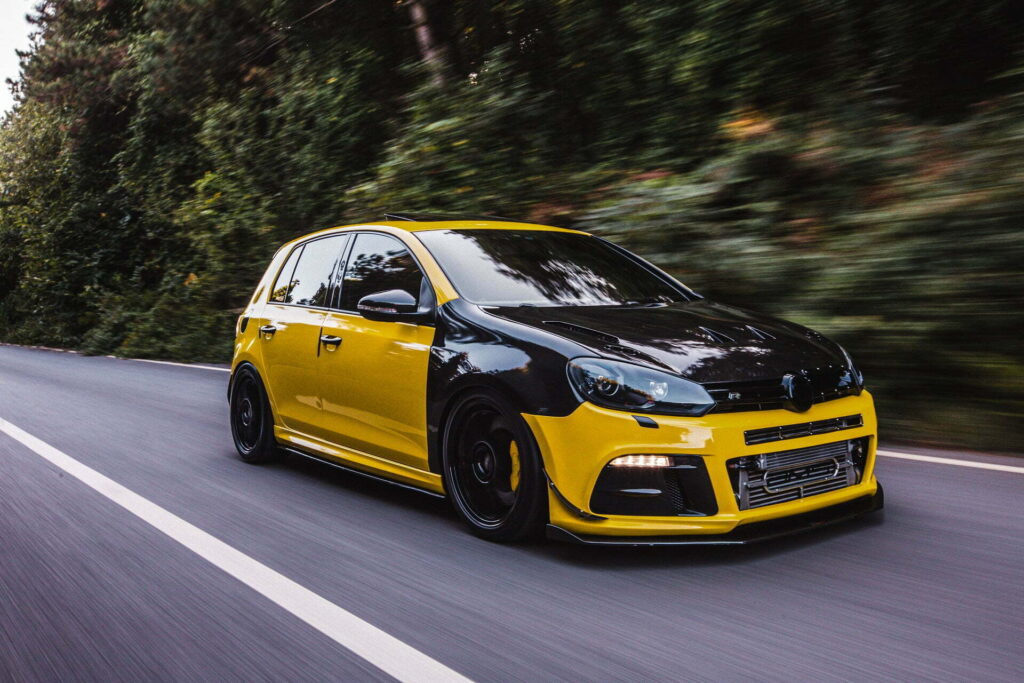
<point>851,165</point>
<point>905,246</point>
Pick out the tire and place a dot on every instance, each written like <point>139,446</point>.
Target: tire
<point>252,422</point>
<point>877,513</point>
<point>492,469</point>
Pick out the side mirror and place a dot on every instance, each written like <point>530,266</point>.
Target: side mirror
<point>391,305</point>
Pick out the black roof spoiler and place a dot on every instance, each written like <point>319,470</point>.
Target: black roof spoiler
<point>432,217</point>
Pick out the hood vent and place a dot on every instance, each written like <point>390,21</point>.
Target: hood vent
<point>611,343</point>
<point>580,329</point>
<point>759,333</point>
<point>720,337</point>
<point>716,336</point>
<point>640,356</point>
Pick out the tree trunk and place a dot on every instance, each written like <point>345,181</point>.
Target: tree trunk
<point>432,51</point>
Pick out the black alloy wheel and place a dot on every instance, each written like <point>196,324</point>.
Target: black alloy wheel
<point>252,424</point>
<point>492,469</point>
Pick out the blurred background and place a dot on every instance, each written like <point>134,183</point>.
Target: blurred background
<point>852,165</point>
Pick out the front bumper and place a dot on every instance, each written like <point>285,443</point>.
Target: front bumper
<point>577,447</point>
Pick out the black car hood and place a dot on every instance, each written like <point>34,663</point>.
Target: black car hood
<point>699,340</point>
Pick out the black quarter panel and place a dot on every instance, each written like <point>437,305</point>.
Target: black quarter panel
<point>473,348</point>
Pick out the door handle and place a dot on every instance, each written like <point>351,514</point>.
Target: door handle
<point>268,330</point>
<point>330,341</point>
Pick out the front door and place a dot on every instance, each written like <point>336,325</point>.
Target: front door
<point>290,331</point>
<point>374,381</point>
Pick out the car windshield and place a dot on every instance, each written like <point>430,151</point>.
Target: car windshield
<point>545,268</point>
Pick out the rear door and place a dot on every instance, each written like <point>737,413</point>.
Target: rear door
<point>374,380</point>
<point>290,330</point>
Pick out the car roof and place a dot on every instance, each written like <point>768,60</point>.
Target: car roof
<point>425,222</point>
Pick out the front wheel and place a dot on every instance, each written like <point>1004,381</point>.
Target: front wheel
<point>252,423</point>
<point>492,469</point>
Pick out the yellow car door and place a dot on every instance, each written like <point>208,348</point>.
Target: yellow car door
<point>374,378</point>
<point>290,331</point>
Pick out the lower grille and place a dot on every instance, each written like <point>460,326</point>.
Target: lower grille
<point>795,431</point>
<point>802,456</point>
<point>784,476</point>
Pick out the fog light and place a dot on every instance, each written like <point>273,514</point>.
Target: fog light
<point>859,451</point>
<point>641,461</point>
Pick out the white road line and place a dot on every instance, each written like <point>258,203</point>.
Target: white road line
<point>951,461</point>
<point>384,651</point>
<point>141,360</point>
<point>180,365</point>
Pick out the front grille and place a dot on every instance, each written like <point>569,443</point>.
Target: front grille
<point>828,383</point>
<point>794,431</point>
<point>782,476</point>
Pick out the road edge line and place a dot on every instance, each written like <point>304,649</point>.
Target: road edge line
<point>180,365</point>
<point>384,651</point>
<point>950,461</point>
<point>53,349</point>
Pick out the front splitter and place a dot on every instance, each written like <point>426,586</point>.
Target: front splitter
<point>744,534</point>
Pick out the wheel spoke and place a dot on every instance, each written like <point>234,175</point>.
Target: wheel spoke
<point>247,413</point>
<point>485,464</point>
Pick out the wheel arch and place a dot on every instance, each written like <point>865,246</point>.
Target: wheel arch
<point>460,388</point>
<point>234,374</point>
<point>474,349</point>
<point>263,381</point>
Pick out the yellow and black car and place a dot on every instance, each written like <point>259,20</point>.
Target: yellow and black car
<point>547,379</point>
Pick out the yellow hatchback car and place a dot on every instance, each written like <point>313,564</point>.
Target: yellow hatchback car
<point>547,379</point>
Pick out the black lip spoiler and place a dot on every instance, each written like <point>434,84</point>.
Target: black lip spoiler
<point>745,534</point>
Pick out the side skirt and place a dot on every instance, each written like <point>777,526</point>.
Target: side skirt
<point>352,470</point>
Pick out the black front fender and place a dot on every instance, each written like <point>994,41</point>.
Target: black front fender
<point>474,349</point>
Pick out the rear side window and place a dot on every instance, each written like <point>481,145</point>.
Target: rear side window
<point>378,263</point>
<point>279,294</point>
<point>310,281</point>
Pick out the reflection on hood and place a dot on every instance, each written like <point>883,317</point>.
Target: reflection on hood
<point>699,340</point>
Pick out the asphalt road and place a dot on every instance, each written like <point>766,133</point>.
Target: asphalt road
<point>88,591</point>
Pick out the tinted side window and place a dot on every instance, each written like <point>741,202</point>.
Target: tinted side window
<point>279,293</point>
<point>378,263</point>
<point>311,283</point>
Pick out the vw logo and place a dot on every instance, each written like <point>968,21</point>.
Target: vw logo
<point>799,392</point>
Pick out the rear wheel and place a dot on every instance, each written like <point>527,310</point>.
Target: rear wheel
<point>492,469</point>
<point>252,424</point>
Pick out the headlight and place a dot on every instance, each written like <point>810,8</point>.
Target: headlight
<point>856,377</point>
<point>624,386</point>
